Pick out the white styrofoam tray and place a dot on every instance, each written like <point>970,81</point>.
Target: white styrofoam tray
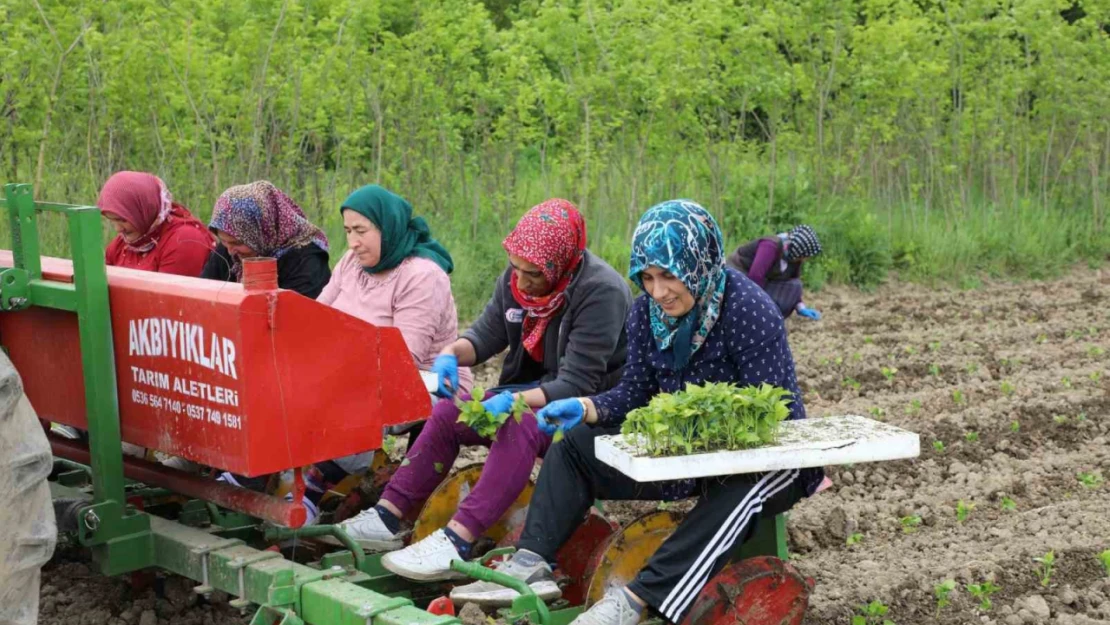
<point>814,442</point>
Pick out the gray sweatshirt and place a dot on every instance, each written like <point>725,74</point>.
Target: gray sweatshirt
<point>584,346</point>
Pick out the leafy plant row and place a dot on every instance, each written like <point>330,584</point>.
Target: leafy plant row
<point>709,417</point>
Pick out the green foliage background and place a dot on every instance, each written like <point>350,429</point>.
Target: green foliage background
<point>948,139</point>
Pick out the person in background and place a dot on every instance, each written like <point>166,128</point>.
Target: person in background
<point>393,274</point>
<point>696,322</point>
<point>775,264</point>
<point>154,233</point>
<point>257,219</point>
<point>560,312</point>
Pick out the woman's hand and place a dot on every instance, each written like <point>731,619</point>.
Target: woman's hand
<point>561,414</point>
<point>809,313</point>
<point>499,404</point>
<point>446,368</point>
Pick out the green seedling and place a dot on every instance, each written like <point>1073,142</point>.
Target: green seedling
<point>909,349</point>
<point>1065,382</point>
<point>938,446</point>
<point>1045,565</point>
<point>1041,339</point>
<point>934,346</point>
<point>957,396</point>
<point>709,417</point>
<point>943,593</point>
<point>485,424</point>
<point>910,523</point>
<point>1015,427</point>
<point>971,437</point>
<point>983,593</point>
<point>854,539</point>
<point>857,357</point>
<point>1009,505</point>
<point>1090,480</point>
<point>1095,376</point>
<point>839,360</point>
<point>1094,351</point>
<point>914,407</point>
<point>971,367</point>
<point>1104,558</point>
<point>963,510</point>
<point>872,614</point>
<point>851,383</point>
<point>389,443</point>
<point>1007,388</point>
<point>867,340</point>
<point>1060,419</point>
<point>876,412</point>
<point>1081,416</point>
<point>934,370</point>
<point>889,373</point>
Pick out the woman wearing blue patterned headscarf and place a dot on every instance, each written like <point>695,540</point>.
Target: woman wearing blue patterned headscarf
<point>696,322</point>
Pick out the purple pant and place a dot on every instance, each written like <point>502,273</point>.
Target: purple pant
<point>504,476</point>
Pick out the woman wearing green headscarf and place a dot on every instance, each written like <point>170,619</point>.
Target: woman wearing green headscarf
<point>393,274</point>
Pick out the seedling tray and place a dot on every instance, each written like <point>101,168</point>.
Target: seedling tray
<point>802,443</point>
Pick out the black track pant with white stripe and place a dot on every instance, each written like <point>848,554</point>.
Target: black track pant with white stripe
<point>726,514</point>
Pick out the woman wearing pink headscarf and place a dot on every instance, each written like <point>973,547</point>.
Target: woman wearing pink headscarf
<point>154,233</point>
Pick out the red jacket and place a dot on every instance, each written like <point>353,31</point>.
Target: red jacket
<point>182,249</point>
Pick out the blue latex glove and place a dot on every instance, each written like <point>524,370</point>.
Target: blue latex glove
<point>809,313</point>
<point>446,368</point>
<point>561,414</point>
<point>500,403</point>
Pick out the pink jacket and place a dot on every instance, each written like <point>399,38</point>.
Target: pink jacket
<point>414,298</point>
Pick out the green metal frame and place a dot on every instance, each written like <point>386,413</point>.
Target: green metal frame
<point>120,538</point>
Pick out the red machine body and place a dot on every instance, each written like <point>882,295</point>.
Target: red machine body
<point>251,380</point>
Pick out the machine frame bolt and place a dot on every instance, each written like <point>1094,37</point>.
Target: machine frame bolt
<point>91,520</point>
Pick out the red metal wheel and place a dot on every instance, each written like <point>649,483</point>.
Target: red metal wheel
<point>757,591</point>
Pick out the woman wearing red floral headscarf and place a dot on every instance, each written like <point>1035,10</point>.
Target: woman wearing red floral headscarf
<point>560,311</point>
<point>154,233</point>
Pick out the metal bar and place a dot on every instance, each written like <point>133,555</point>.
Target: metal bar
<point>54,295</point>
<point>24,227</point>
<point>249,502</point>
<point>313,531</point>
<point>90,279</point>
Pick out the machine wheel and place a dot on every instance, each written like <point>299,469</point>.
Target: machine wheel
<point>444,501</point>
<point>616,562</point>
<point>27,529</point>
<point>756,591</point>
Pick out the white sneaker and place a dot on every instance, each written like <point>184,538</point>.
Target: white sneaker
<point>538,576</point>
<point>370,532</point>
<point>428,560</point>
<point>613,609</point>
